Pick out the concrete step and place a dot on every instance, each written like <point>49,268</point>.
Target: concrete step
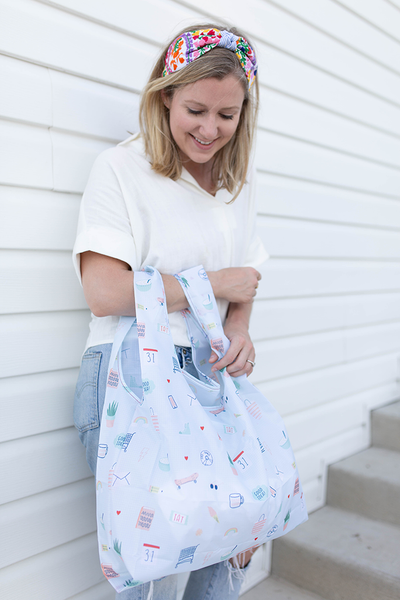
<point>274,588</point>
<point>386,427</point>
<point>341,556</point>
<point>367,483</point>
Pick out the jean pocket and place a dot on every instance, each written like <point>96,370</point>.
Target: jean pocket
<point>86,408</point>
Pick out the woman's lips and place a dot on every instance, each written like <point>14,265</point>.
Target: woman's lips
<point>202,144</point>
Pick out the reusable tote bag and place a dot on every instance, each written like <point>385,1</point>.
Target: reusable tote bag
<point>190,471</point>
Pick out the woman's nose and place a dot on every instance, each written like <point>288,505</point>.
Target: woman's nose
<point>209,128</point>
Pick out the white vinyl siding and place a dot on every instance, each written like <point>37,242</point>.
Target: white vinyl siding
<point>326,322</point>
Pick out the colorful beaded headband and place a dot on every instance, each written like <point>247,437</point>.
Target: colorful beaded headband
<point>192,44</point>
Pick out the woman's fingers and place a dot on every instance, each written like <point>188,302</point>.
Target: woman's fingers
<point>242,365</point>
<point>225,360</point>
<point>213,357</point>
<point>236,359</point>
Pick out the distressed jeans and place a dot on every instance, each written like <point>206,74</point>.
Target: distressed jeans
<point>215,582</point>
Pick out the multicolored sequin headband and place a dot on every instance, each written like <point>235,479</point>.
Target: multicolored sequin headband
<point>193,44</point>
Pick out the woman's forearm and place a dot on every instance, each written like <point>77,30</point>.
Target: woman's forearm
<point>238,315</point>
<point>108,287</point>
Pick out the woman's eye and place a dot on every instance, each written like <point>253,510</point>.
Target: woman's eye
<point>230,117</point>
<point>194,112</point>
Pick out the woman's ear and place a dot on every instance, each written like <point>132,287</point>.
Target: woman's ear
<point>165,98</point>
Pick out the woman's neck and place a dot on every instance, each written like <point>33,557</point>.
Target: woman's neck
<point>202,173</point>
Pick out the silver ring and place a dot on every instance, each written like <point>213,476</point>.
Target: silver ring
<point>253,364</point>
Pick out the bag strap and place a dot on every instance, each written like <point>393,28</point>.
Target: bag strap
<point>151,310</point>
<point>151,313</point>
<point>197,289</point>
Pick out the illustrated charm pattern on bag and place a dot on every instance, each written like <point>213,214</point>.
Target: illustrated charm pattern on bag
<point>190,470</point>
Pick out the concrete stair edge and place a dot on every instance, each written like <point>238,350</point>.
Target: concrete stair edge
<point>356,556</point>
<point>367,483</point>
<point>365,572</point>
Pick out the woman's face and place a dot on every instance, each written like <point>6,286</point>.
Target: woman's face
<point>204,116</point>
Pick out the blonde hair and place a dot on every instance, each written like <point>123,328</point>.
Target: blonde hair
<point>231,162</point>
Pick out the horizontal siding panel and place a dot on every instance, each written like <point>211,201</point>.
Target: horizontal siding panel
<point>73,160</point>
<point>42,96</point>
<point>297,277</point>
<point>288,356</point>
<point>295,37</point>
<point>25,92</point>
<point>42,342</point>
<point>344,445</point>
<point>279,318</point>
<point>317,424</point>
<point>36,524</point>
<point>312,461</point>
<point>41,462</point>
<point>45,400</point>
<point>25,155</point>
<point>56,574</point>
<point>91,108</point>
<point>285,115</point>
<point>292,237</point>
<point>280,155</point>
<point>55,216</point>
<point>124,15</point>
<point>291,76</point>
<point>101,591</point>
<point>379,13</point>
<point>321,386</point>
<point>369,341</point>
<point>281,196</point>
<point>47,36</point>
<point>39,281</point>
<point>347,27</point>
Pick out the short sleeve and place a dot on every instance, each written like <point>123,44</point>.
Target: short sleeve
<point>104,225</point>
<point>256,254</point>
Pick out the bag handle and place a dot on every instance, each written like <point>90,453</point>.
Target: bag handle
<point>197,289</point>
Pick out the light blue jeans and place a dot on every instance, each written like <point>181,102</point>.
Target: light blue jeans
<point>210,583</point>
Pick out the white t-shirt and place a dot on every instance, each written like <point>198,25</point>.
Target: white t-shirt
<point>131,213</point>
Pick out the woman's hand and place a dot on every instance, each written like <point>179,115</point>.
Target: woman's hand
<point>241,349</point>
<point>235,284</point>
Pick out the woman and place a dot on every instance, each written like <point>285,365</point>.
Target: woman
<point>179,194</point>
